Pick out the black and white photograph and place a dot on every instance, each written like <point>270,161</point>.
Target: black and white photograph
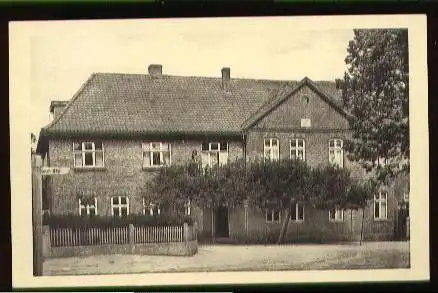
<point>169,151</point>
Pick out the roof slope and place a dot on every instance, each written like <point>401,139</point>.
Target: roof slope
<point>113,103</point>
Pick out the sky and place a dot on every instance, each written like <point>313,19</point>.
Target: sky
<point>63,54</point>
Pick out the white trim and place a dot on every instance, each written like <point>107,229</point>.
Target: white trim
<point>297,148</point>
<point>379,200</point>
<point>120,205</point>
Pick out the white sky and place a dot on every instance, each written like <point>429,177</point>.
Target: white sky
<point>64,54</point>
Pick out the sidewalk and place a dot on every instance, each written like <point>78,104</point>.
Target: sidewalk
<point>210,258</point>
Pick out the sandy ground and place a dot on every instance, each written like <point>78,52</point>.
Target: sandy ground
<point>210,258</point>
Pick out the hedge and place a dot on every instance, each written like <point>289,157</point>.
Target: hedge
<point>98,221</point>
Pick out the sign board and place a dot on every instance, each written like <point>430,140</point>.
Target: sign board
<point>54,170</point>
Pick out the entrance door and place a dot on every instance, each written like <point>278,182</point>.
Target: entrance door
<point>221,222</point>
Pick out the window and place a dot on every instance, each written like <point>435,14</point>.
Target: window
<point>120,206</point>
<point>272,216</point>
<point>187,208</point>
<point>88,154</point>
<point>271,149</point>
<point>336,215</point>
<point>149,208</point>
<point>214,153</point>
<point>380,206</point>
<point>156,154</point>
<point>88,207</point>
<point>298,149</point>
<point>336,152</point>
<point>297,213</point>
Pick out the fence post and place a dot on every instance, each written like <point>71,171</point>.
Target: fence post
<point>131,237</point>
<point>37,215</point>
<point>46,241</point>
<point>186,232</point>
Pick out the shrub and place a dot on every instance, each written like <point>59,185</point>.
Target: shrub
<point>76,221</point>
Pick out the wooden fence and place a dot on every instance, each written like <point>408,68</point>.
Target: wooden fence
<point>62,237</point>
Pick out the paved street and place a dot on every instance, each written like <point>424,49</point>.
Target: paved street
<point>371,255</point>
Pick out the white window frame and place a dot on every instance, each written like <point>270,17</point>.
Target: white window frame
<point>296,220</point>
<point>83,151</point>
<point>88,207</point>
<point>337,149</point>
<point>120,206</point>
<point>161,151</point>
<point>338,216</point>
<point>378,200</point>
<point>294,148</point>
<point>188,208</point>
<point>272,149</point>
<point>272,213</point>
<point>211,152</point>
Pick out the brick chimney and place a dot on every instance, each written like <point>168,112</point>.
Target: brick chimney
<point>226,79</point>
<point>56,108</point>
<point>155,70</point>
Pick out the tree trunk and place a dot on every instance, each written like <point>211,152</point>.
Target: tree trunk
<point>361,228</point>
<point>284,227</point>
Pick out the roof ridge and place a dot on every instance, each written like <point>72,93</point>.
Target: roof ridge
<point>73,99</point>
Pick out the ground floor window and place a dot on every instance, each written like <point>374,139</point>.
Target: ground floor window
<point>272,216</point>
<point>380,206</point>
<point>88,207</point>
<point>120,206</point>
<point>151,208</point>
<point>336,215</point>
<point>297,214</point>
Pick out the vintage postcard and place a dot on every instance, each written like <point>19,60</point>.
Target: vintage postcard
<point>219,151</point>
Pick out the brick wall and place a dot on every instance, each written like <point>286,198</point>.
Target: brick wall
<point>123,173</point>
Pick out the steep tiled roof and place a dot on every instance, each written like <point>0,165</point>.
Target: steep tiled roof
<point>112,103</point>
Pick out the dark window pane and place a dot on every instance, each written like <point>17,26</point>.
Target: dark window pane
<point>116,211</point>
<point>83,211</point>
<point>205,146</point>
<point>267,142</point>
<point>269,216</point>
<point>88,159</point>
<point>376,210</point>
<point>156,158</point>
<point>115,200</point>
<point>300,142</point>
<point>276,216</point>
<point>214,146</point>
<point>124,211</point>
<point>98,145</point>
<point>88,146</point>
<point>92,212</point>
<point>77,146</point>
<point>123,200</point>
<point>293,214</point>
<point>274,142</point>
<point>332,214</point>
<point>224,146</point>
<point>300,212</point>
<point>331,143</point>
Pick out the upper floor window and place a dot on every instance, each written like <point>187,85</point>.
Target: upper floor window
<point>297,214</point>
<point>88,154</point>
<point>336,215</point>
<point>120,206</point>
<point>271,149</point>
<point>380,206</point>
<point>336,152</point>
<point>214,153</point>
<point>88,207</point>
<point>156,154</point>
<point>298,149</point>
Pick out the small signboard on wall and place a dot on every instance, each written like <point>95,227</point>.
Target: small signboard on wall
<point>305,122</point>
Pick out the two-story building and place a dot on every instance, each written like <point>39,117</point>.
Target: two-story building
<point>118,129</point>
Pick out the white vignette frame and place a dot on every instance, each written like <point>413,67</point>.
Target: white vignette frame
<point>21,214</point>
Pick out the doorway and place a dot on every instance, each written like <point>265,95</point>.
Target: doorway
<point>221,222</point>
